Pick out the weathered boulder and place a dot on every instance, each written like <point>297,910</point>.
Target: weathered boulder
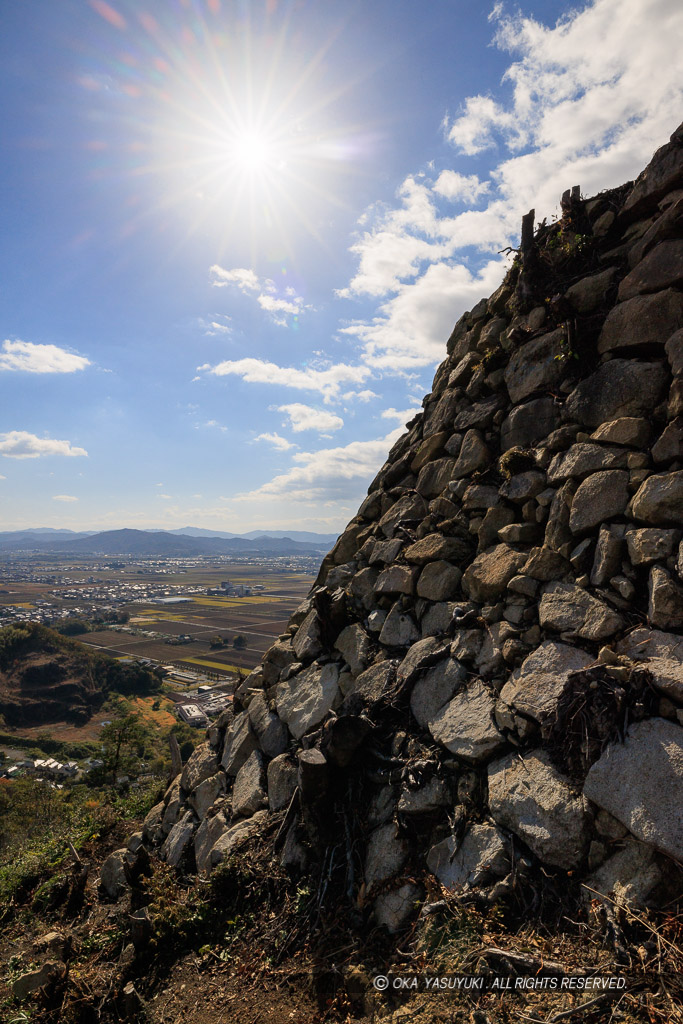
<point>385,551</point>
<point>628,877</point>
<point>659,500</point>
<point>393,910</point>
<point>206,793</point>
<point>601,496</point>
<point>396,579</point>
<point>45,976</point>
<point>439,581</point>
<point>304,700</point>
<point>249,791</point>
<point>178,839</point>
<point>435,548</point>
<point>585,458</point>
<point>282,781</point>
<point>632,431</point>
<point>426,798</point>
<point>409,507</point>
<point>526,424</point>
<point>206,837</point>
<point>669,445</point>
<point>481,858</point>
<point>270,732</point>
<point>529,796</point>
<point>435,689</point>
<point>645,319</point>
<point>489,574</point>
<point>113,876</point>
<point>386,853</point>
<point>663,173</point>
<point>465,726</point>
<point>535,688</point>
<point>535,366</point>
<point>665,604</point>
<point>240,740</point>
<point>307,644</point>
<point>434,477</point>
<point>620,387</point>
<point>399,629</point>
<point>355,646</point>
<point>660,269</point>
<point>571,610</point>
<point>662,655</point>
<point>201,763</point>
<point>640,782</point>
<point>235,837</point>
<point>589,292</point>
<point>370,685</point>
<point>474,455</point>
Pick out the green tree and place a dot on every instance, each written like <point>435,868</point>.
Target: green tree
<point>123,741</point>
<point>240,642</point>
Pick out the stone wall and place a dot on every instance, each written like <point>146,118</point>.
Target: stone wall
<point>488,674</point>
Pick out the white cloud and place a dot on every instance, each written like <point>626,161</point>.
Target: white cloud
<point>19,444</point>
<point>280,309</point>
<point>327,475</point>
<point>246,280</point>
<point>166,497</point>
<point>281,444</point>
<point>464,187</point>
<point>326,381</point>
<point>585,101</point>
<point>411,329</point>
<point>305,417</point>
<point>24,355</point>
<point>2,477</point>
<point>472,131</point>
<point>402,415</point>
<point>64,497</point>
<point>220,325</point>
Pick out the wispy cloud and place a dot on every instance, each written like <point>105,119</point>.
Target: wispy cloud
<point>218,324</point>
<point>281,307</point>
<point>325,381</point>
<point>64,497</point>
<point>30,358</point>
<point>305,417</point>
<point>326,475</point>
<point>246,280</point>
<point>19,444</point>
<point>281,444</point>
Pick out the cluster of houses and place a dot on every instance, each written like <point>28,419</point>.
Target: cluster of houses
<point>49,768</point>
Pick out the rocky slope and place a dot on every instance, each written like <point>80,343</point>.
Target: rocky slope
<point>487,678</point>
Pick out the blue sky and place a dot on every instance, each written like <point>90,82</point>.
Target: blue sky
<point>236,235</point>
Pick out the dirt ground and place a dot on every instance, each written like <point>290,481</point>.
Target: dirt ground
<point>189,974</point>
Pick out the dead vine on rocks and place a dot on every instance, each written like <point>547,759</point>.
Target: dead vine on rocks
<point>595,710</point>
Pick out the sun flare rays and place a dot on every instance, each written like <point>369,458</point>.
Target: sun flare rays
<point>230,128</point>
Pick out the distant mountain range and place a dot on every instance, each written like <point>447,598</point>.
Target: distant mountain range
<point>186,542</point>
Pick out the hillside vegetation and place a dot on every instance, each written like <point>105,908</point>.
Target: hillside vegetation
<point>46,677</point>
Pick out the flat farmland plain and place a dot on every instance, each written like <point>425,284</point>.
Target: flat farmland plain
<point>258,618</point>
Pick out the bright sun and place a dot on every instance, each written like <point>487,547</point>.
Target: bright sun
<point>252,151</point>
